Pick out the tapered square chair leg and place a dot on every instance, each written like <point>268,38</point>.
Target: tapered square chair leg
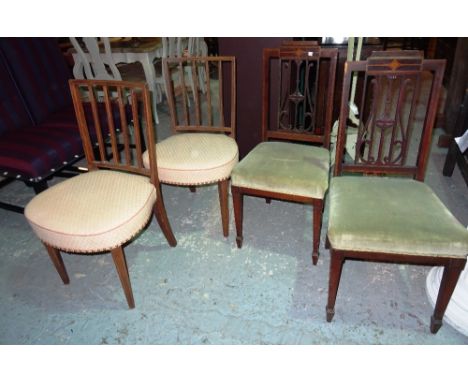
<point>122,270</point>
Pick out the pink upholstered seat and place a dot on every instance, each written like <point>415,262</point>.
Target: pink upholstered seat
<point>92,212</point>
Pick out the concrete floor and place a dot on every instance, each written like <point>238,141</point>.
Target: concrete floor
<point>206,291</point>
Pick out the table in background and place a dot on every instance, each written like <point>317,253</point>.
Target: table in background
<point>128,50</point>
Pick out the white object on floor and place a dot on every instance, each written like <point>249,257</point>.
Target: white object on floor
<point>462,142</point>
<point>456,314</point>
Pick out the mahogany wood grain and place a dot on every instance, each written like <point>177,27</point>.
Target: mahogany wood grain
<point>57,260</point>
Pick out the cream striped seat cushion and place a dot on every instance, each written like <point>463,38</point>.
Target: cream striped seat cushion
<point>92,212</point>
<point>195,158</point>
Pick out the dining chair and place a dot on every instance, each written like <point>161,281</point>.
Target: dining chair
<point>292,162</point>
<point>202,149</point>
<point>104,209</point>
<point>382,211</point>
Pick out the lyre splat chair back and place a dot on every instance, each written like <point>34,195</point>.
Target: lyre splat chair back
<point>105,208</point>
<point>202,149</point>
<point>398,110</point>
<point>383,211</point>
<point>292,162</point>
<point>298,88</point>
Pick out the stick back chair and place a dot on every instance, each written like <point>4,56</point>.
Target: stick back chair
<point>103,209</point>
<point>394,218</point>
<point>202,149</point>
<point>292,162</point>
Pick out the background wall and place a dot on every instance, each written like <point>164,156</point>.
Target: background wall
<point>248,53</point>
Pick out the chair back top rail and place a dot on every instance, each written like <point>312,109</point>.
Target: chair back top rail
<point>115,123</point>
<point>399,95</point>
<point>298,88</point>
<point>213,109</point>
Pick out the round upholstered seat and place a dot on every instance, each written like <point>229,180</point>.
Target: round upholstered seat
<point>92,212</point>
<point>195,158</point>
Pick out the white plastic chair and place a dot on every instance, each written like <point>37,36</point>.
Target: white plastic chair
<point>95,68</point>
<point>93,64</point>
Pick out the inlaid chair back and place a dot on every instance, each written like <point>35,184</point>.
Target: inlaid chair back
<point>395,218</point>
<point>298,86</point>
<point>398,91</point>
<point>213,110</point>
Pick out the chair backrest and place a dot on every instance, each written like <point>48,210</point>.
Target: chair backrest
<point>40,72</point>
<point>183,46</point>
<point>173,46</point>
<point>93,64</point>
<point>85,71</point>
<point>397,98</point>
<point>125,110</point>
<point>196,46</point>
<point>298,88</point>
<point>212,111</point>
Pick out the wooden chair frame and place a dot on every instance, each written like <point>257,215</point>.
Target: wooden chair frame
<point>99,158</point>
<point>452,266</point>
<point>198,125</point>
<point>301,51</point>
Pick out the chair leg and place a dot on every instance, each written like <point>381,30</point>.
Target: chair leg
<point>327,243</point>
<point>336,266</point>
<point>161,217</point>
<point>40,186</point>
<point>193,189</point>
<point>224,204</point>
<point>238,203</point>
<point>317,226</point>
<point>57,260</point>
<point>122,270</point>
<point>163,221</point>
<point>268,200</point>
<point>447,286</point>
<point>450,159</point>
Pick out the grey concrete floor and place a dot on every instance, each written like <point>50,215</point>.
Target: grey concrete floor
<point>206,291</point>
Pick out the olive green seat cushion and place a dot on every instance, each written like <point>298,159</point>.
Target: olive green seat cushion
<point>289,168</point>
<point>392,215</point>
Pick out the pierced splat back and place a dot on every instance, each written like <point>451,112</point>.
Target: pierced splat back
<point>298,85</point>
<point>398,105</point>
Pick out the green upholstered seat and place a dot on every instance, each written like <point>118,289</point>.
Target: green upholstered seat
<point>390,215</point>
<point>289,168</point>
